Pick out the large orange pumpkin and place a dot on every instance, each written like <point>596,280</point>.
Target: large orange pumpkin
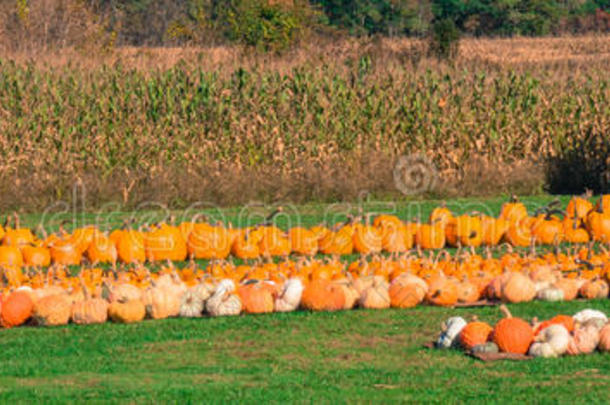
<point>323,295</point>
<point>512,335</point>
<point>16,309</point>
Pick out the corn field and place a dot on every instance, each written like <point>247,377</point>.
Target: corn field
<point>322,129</point>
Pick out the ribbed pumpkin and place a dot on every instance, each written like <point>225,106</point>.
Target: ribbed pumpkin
<point>224,302</point>
<point>475,333</point>
<point>257,297</point>
<point>339,242</point>
<point>165,242</point>
<point>430,236</point>
<point>274,242</point>
<point>440,215</point>
<point>569,286</point>
<point>65,250</point>
<point>10,256</point>
<point>129,246</point>
<point>101,249</point>
<point>367,239</point>
<point>492,229</point>
<point>36,256</point>
<point>16,309</point>
<point>442,291</point>
<point>17,236</point>
<point>126,311</point>
<point>323,295</point>
<point>407,291</point>
<point>289,297</point>
<point>604,339</point>
<point>594,289</point>
<point>52,310</point>
<point>465,231</point>
<point>161,302</point>
<point>512,335</point>
<point>303,241</point>
<point>396,237</point>
<point>90,310</point>
<point>245,245</point>
<point>513,211</point>
<point>517,287</point>
<point>376,296</point>
<point>209,242</point>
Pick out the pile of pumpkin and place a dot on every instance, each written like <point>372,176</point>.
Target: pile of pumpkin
<point>581,222</point>
<point>129,294</point>
<point>581,333</point>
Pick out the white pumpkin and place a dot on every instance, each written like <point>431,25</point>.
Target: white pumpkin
<point>191,305</point>
<point>451,329</point>
<point>552,341</point>
<point>224,302</point>
<point>290,296</point>
<point>587,314</point>
<point>550,294</point>
<point>584,339</point>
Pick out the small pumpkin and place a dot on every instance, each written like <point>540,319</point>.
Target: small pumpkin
<point>126,311</point>
<point>224,302</point>
<point>552,341</point>
<point>450,332</point>
<point>475,333</point>
<point>489,347</point>
<point>290,296</point>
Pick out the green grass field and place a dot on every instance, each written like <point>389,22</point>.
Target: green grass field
<point>349,356</point>
<point>358,355</point>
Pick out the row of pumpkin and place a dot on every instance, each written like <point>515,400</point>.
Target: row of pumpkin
<point>581,222</point>
<point>582,333</point>
<point>55,297</point>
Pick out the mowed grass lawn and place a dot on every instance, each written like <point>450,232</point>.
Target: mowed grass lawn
<point>348,356</point>
<point>358,355</point>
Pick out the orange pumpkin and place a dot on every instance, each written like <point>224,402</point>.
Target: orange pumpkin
<point>16,309</point>
<point>465,231</point>
<point>367,239</point>
<point>323,295</point>
<point>10,256</point>
<point>440,215</point>
<point>513,211</point>
<point>257,297</point>
<point>129,246</point>
<point>430,236</point>
<point>101,249</point>
<point>442,291</point>
<point>165,242</point>
<point>209,242</point>
<point>475,333</point>
<point>512,335</point>
<point>303,241</point>
<point>36,256</point>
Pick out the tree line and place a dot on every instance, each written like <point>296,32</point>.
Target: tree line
<point>278,24</point>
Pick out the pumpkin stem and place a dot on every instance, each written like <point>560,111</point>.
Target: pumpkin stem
<point>505,311</point>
